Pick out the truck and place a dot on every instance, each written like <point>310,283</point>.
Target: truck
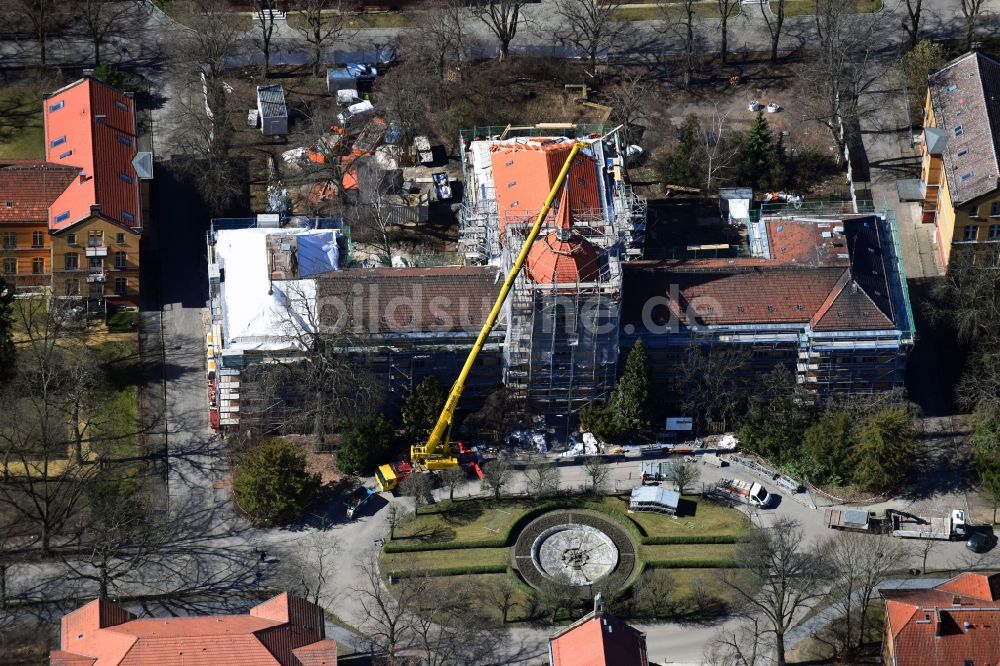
<point>898,524</point>
<point>746,492</point>
<point>356,500</point>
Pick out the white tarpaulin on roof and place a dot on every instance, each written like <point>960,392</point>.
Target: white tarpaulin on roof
<point>254,318</point>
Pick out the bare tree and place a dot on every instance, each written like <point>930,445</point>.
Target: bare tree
<point>774,22</point>
<point>440,37</point>
<point>454,478</point>
<point>683,474</point>
<point>860,562</point>
<point>596,472</point>
<point>542,479</point>
<point>972,12</point>
<point>403,93</point>
<point>45,18</point>
<point>589,25</point>
<point>558,593</point>
<point>263,25</point>
<point>323,22</point>
<point>924,550</point>
<point>386,618</point>
<point>681,27</point>
<point>311,566</point>
<point>707,376</point>
<point>744,646</point>
<point>502,594</point>
<point>122,535</point>
<point>911,23</point>
<point>628,99</point>
<point>496,476</point>
<point>393,516</point>
<point>418,486</point>
<point>108,18</point>
<point>720,152</point>
<point>502,18</point>
<point>784,578</point>
<point>726,8</point>
<point>374,212</point>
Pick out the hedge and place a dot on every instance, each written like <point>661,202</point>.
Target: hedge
<point>393,547</point>
<point>452,571</point>
<point>691,564</point>
<point>689,538</point>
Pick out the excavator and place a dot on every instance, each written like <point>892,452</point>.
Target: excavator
<point>439,452</point>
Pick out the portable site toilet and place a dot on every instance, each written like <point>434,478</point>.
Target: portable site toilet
<point>272,110</point>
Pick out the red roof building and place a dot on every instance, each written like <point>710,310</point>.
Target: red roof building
<point>90,125</point>
<point>956,623</point>
<point>598,639</point>
<point>283,631</point>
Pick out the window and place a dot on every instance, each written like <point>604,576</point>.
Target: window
<point>124,140</point>
<point>10,204</point>
<point>128,217</point>
<point>95,239</point>
<point>37,239</point>
<point>72,261</point>
<point>974,211</point>
<point>968,175</point>
<point>125,178</point>
<point>121,105</point>
<point>995,209</point>
<point>121,286</point>
<point>9,240</point>
<point>10,266</point>
<point>952,88</point>
<point>740,308</point>
<point>96,290</point>
<point>37,266</point>
<point>62,217</point>
<point>959,131</point>
<point>963,152</point>
<point>71,239</point>
<point>96,264</point>
<point>994,231</point>
<point>121,260</point>
<point>970,232</point>
<point>770,308</point>
<point>73,287</point>
<point>63,156</point>
<point>58,105</point>
<point>58,141</point>
<point>120,238</point>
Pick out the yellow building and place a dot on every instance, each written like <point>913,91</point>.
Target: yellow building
<point>96,259</point>
<point>960,153</point>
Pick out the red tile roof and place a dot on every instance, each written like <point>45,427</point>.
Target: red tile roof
<point>28,188</point>
<point>408,300</point>
<point>598,639</point>
<point>90,125</point>
<point>524,172</point>
<point>552,260</point>
<point>272,634</point>
<point>953,624</point>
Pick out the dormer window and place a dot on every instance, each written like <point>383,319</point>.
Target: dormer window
<point>62,217</point>
<point>121,105</point>
<point>57,141</point>
<point>959,131</point>
<point>58,105</point>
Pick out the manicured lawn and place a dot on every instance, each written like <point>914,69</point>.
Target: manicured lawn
<point>465,520</point>
<point>686,552</point>
<point>807,7</point>
<point>366,20</point>
<point>431,560</point>
<point>653,12</point>
<point>702,519</point>
<point>21,123</point>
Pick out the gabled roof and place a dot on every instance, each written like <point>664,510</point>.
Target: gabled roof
<point>965,96</point>
<point>28,188</point>
<point>952,624</point>
<point>91,125</point>
<point>598,639</point>
<point>274,633</point>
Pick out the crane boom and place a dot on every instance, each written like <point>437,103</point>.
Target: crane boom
<point>419,453</point>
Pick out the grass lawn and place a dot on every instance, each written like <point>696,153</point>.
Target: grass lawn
<point>701,519</point>
<point>686,552</point>
<point>807,7</point>
<point>464,520</point>
<point>365,20</point>
<point>431,560</point>
<point>653,12</point>
<point>21,123</point>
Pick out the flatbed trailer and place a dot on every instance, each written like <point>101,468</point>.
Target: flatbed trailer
<point>908,526</point>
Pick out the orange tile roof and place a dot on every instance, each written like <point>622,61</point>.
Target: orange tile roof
<point>953,624</point>
<point>28,188</point>
<point>598,639</point>
<point>524,172</point>
<point>555,260</point>
<point>90,125</point>
<point>272,634</point>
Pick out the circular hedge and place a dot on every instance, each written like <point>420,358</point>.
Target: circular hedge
<point>521,554</point>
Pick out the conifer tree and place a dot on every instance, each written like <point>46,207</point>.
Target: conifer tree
<point>683,164</point>
<point>630,401</point>
<point>422,408</point>
<point>760,154</point>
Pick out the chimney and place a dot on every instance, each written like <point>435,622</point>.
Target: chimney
<point>598,604</point>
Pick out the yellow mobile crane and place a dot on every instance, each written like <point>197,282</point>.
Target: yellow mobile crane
<point>440,452</point>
